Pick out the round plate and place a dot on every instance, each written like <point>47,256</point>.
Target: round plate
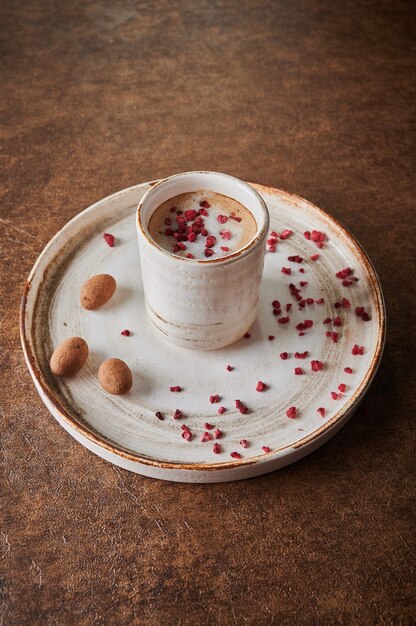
<point>124,429</point>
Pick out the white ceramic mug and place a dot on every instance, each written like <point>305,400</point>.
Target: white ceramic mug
<point>202,304</point>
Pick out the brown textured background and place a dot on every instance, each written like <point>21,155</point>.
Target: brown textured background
<point>314,97</point>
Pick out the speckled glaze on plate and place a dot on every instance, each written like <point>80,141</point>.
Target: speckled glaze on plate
<point>124,430</point>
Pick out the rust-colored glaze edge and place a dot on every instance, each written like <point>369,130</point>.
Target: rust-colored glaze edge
<point>129,455</point>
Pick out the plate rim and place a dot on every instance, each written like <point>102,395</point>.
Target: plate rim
<point>338,419</point>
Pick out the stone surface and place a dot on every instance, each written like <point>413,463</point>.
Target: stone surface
<point>316,98</point>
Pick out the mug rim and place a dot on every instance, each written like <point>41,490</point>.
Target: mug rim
<point>224,260</point>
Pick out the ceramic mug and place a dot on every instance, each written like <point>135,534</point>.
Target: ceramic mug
<point>202,304</point>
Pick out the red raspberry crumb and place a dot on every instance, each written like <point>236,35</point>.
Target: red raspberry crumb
<point>327,320</point>
<point>109,239</point>
<point>190,215</point>
<point>276,304</point>
<point>208,252</point>
<point>344,273</point>
<point>333,336</point>
<point>271,337</point>
<point>176,388</point>
<point>225,248</point>
<point>216,448</point>
<point>283,320</point>
<point>307,235</point>
<point>261,386</point>
<point>225,234</point>
<point>208,426</point>
<point>284,356</point>
<point>177,415</point>
<point>302,270</point>
<point>337,321</point>
<point>190,256</point>
<point>301,355</point>
<point>316,366</point>
<point>221,410</point>
<point>266,449</point>
<point>321,411</point>
<point>159,415</point>
<point>125,333</point>
<point>187,435</point>
<point>229,368</point>
<point>335,395</point>
<point>361,312</point>
<point>222,219</point>
<point>173,209</point>
<point>286,270</point>
<point>320,301</point>
<point>295,259</point>
<point>345,303</point>
<point>235,455</point>
<point>285,234</point>
<point>214,398</point>
<point>347,370</point>
<point>210,242</point>
<point>357,350</point>
<point>292,412</point>
<point>205,204</point>
<point>241,407</point>
<point>206,437</point>
<point>298,371</point>
<point>315,257</point>
<point>247,336</point>
<point>304,325</point>
<point>203,212</point>
<point>342,387</point>
<point>217,433</point>
<point>244,443</point>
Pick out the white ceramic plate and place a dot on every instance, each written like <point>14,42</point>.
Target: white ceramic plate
<point>124,430</point>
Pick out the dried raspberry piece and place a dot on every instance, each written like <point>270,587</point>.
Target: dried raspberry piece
<point>307,235</point>
<point>335,395</point>
<point>347,271</point>
<point>347,370</point>
<point>204,204</point>
<point>203,212</point>
<point>175,248</point>
<point>241,407</point>
<point>216,448</point>
<point>327,320</point>
<point>168,221</point>
<point>357,350</point>
<point>321,411</point>
<point>159,415</point>
<point>292,412</point>
<point>225,248</point>
<point>214,398</point>
<point>208,252</point>
<point>192,237</point>
<point>208,426</point>
<point>295,259</point>
<point>187,435</point>
<point>305,325</point>
<point>261,386</point>
<point>288,307</point>
<point>225,234</point>
<point>276,304</point>
<point>316,366</point>
<point>177,415</point>
<point>190,256</point>
<point>266,449</point>
<point>221,410</point>
<point>176,388</point>
<point>301,355</point>
<point>126,333</point>
<point>244,443</point>
<point>222,219</point>
<point>204,232</point>
<point>168,232</point>
<point>361,312</point>
<point>285,234</point>
<point>315,257</point>
<point>190,215</point>
<point>217,433</point>
<point>310,301</point>
<point>247,336</point>
<point>342,387</point>
<point>210,242</point>
<point>109,239</point>
<point>271,337</point>
<point>229,368</point>
<point>286,270</point>
<point>333,336</point>
<point>284,356</point>
<point>299,371</point>
<point>173,209</point>
<point>283,320</point>
<point>235,455</point>
<point>302,270</point>
<point>319,301</point>
<point>337,321</point>
<point>206,437</point>
<point>181,246</point>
